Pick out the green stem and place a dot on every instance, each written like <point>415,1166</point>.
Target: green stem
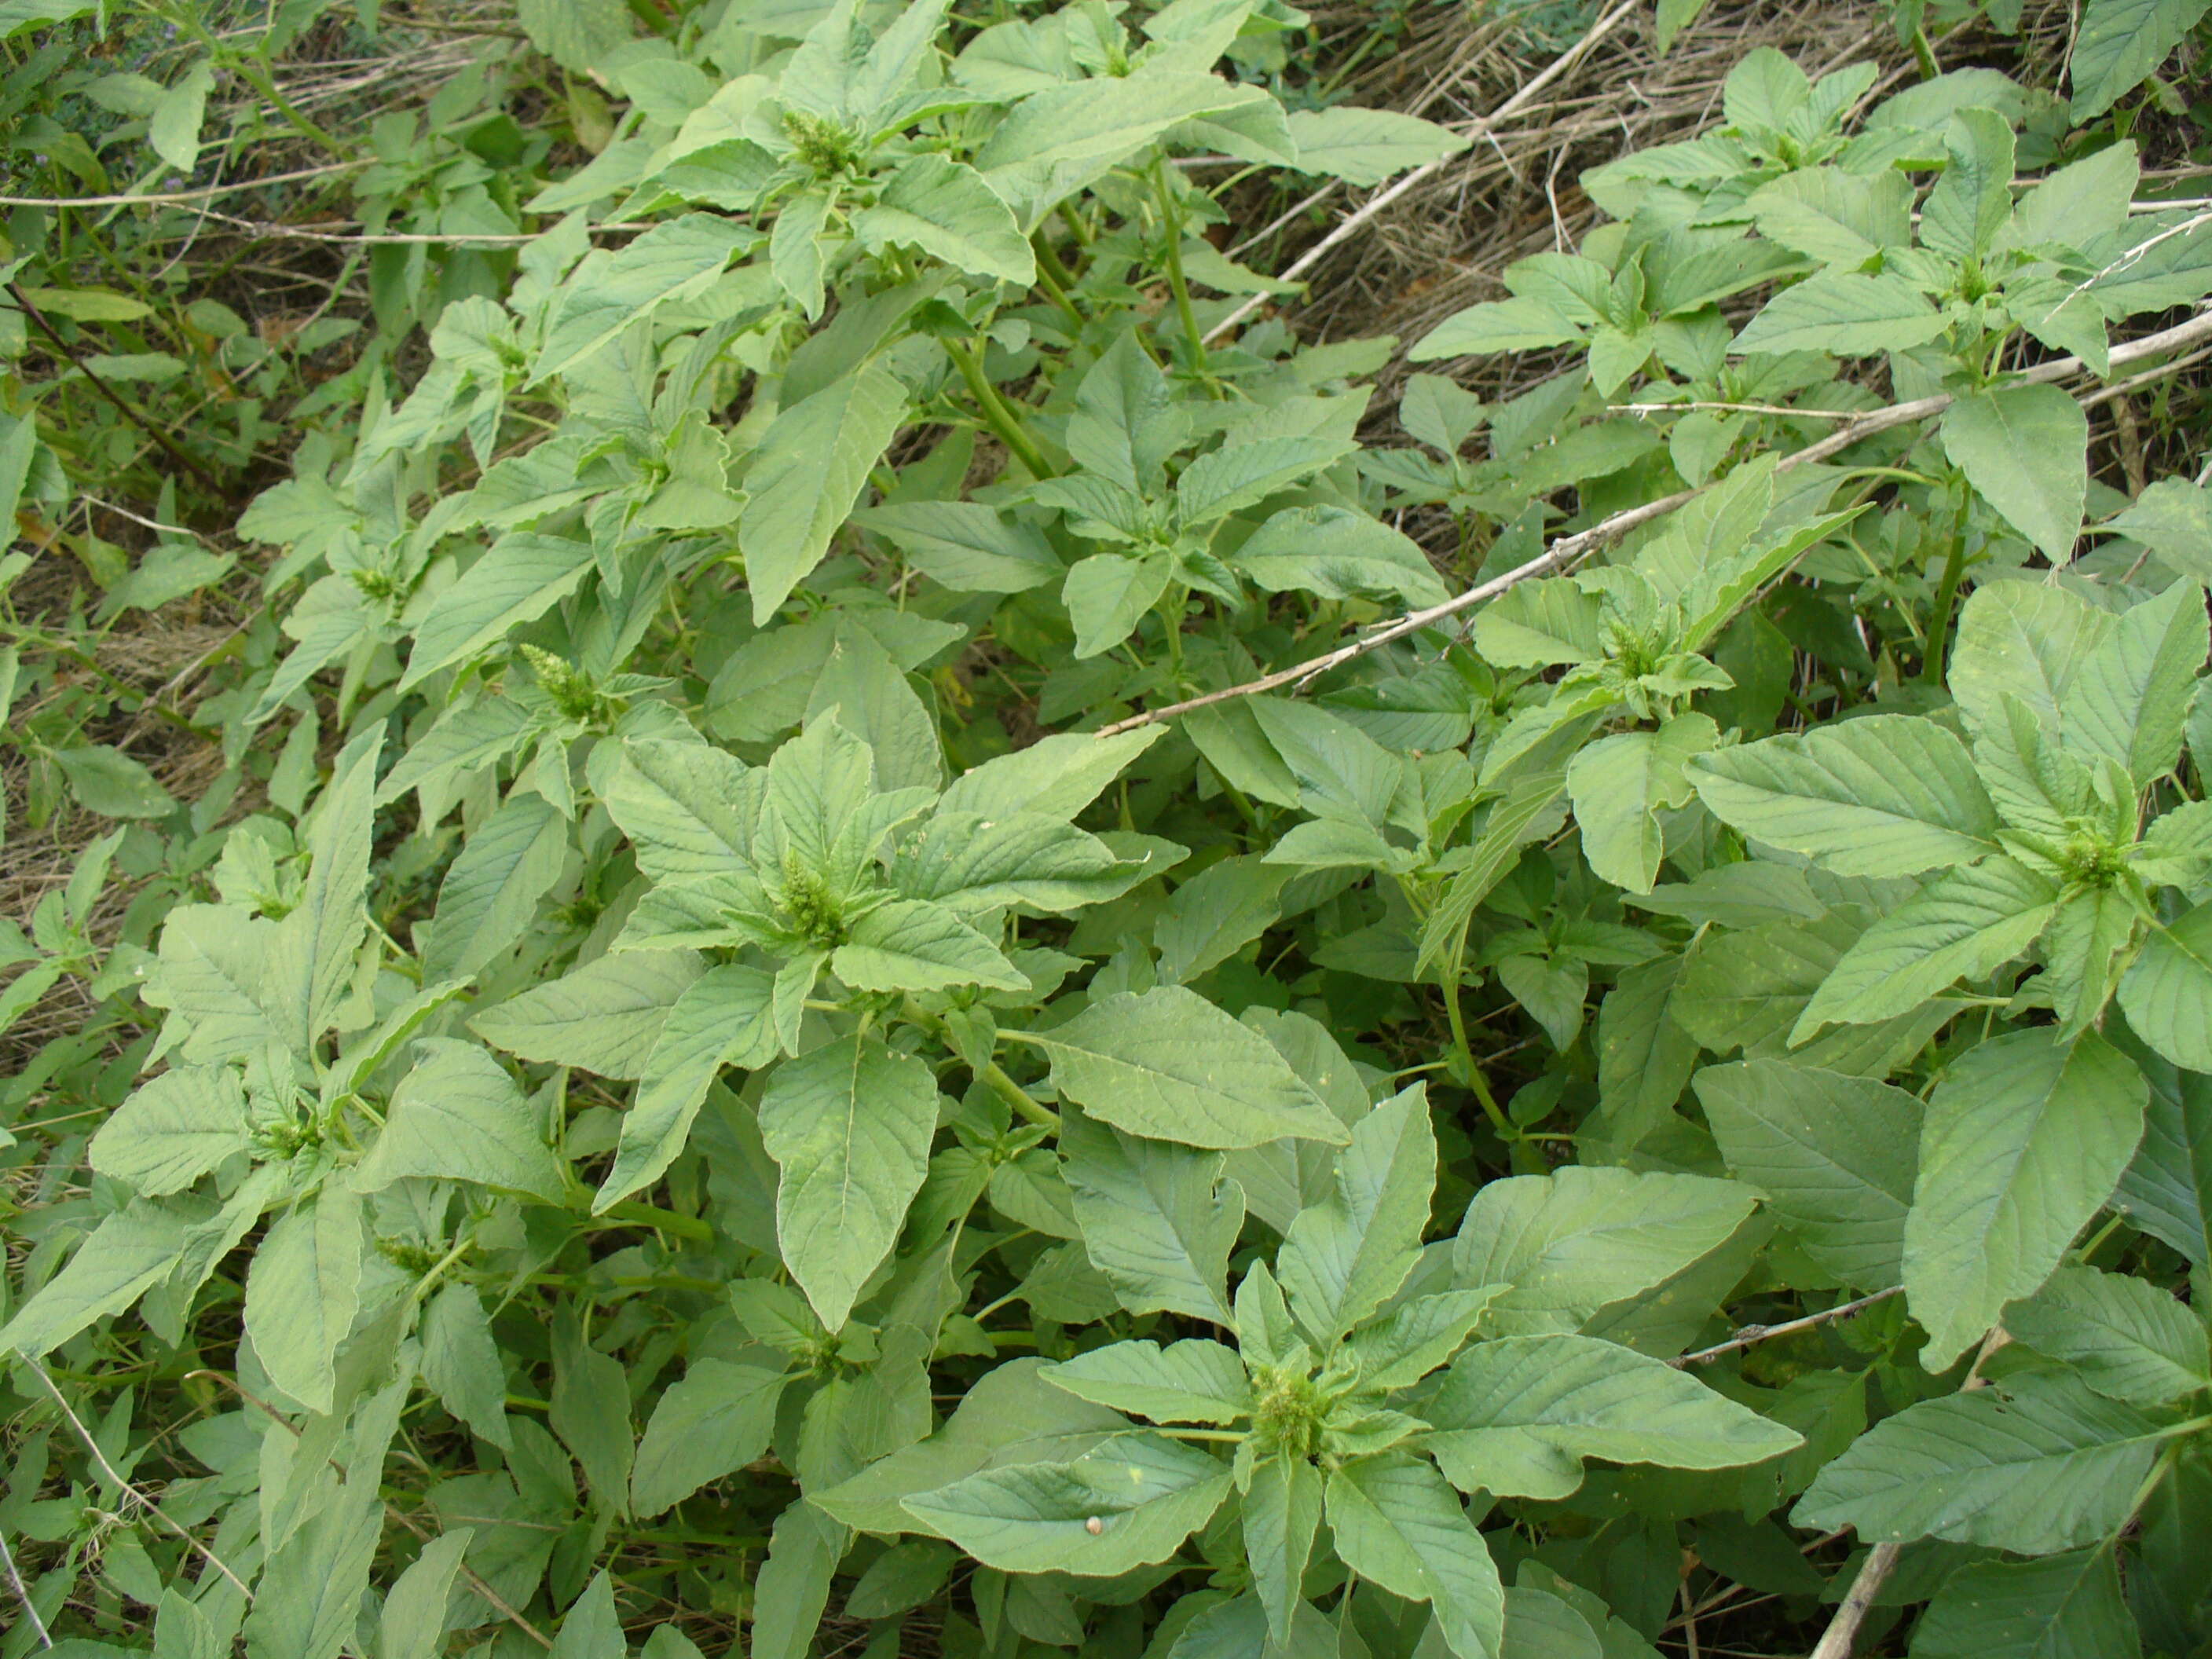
<point>1947,591</point>
<point>1472,1072</point>
<point>1053,278</point>
<point>255,75</point>
<point>995,1076</point>
<point>1923,55</point>
<point>428,1282</point>
<point>1226,1436</point>
<point>996,415</point>
<point>1175,282</point>
<point>631,1212</point>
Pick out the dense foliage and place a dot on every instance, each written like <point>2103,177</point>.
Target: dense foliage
<point>755,1040</point>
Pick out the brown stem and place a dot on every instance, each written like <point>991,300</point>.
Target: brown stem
<point>168,446</point>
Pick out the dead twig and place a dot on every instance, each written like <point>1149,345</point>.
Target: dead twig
<point>1874,1572</point>
<point>1570,550</point>
<point>136,1494</point>
<point>1749,1334</point>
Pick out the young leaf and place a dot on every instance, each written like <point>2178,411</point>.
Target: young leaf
<point>2024,1140</point>
<point>723,1018</point>
<point>1282,1512</point>
<point>1516,1417</point>
<point>848,1124</point>
<point>489,896</point>
<point>1189,1382</point>
<point>2131,696</point>
<point>669,261</point>
<point>1396,1521</point>
<point>518,580</point>
<point>1344,1257</point>
<point>1620,784</point>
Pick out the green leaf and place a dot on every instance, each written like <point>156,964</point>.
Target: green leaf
<point>967,546</point>
<point>2126,1337</point>
<point>1396,1521</point>
<point>2036,1465</point>
<point>911,945</point>
<point>1524,323</point>
<point>1148,1493</point>
<point>1281,1513</point>
<point>2173,518</point>
<point>125,1256</point>
<point>947,211</point>
<point>413,1625</point>
<point>1056,777</point>
<point>2073,203</point>
<point>1571,1241</point>
<point>2167,1190</point>
<point>307,1604</point>
<point>1344,1257</point>
<point>1240,474</point>
<point>793,1586</point>
<point>489,896</point>
<point>592,1629</point>
<point>518,579</point>
<point>1168,1065</point>
<point>2068,1605</point>
<point>1364,147</point>
<point>1189,1382</point>
<point>1973,200</point>
<point>461,1363</point>
<point>2024,1140</point>
<point>1516,1417</point>
<point>577,34</point>
<point>712,1424</point>
<point>812,464</point>
<point>1158,1220</point>
<point>848,1124</point>
<point>2023,639</point>
<point>1107,595</point>
<point>1095,123</point>
<point>1337,554</point>
<point>2026,449</point>
<point>676,259</point>
<point>459,1117</point>
<point>1010,1418</point>
<point>1620,784</point>
<point>2131,696</point>
<point>106,780</point>
<point>605,1016</point>
<point>1963,925</point>
<point>1834,1155</point>
<point>724,1018</point>
<point>1886,795</point>
<point>1844,312</point>
<point>302,1292</point>
<point>688,807</point>
<point>590,1412</point>
<point>173,1130</point>
<point>173,130</point>
<point>2121,45</point>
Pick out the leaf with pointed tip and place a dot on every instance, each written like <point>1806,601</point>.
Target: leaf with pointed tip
<point>1516,1417</point>
<point>1194,1380</point>
<point>2024,1140</point>
<point>1344,1257</point>
<point>1396,1521</point>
